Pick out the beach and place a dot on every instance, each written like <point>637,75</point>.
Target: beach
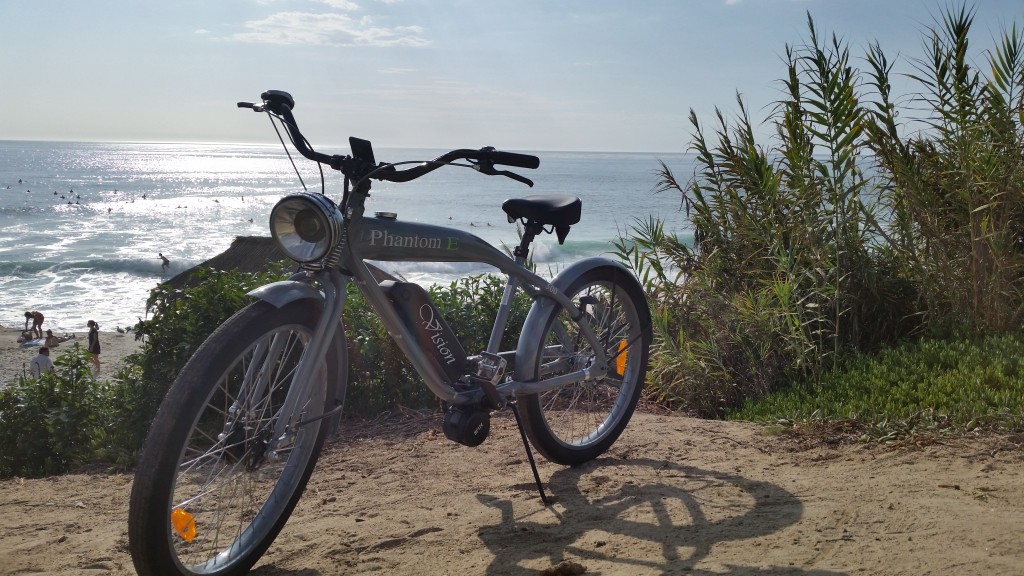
<point>15,357</point>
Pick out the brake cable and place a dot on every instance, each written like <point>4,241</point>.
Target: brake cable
<point>323,185</point>
<point>286,151</point>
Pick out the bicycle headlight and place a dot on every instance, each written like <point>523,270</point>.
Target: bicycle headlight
<point>306,226</point>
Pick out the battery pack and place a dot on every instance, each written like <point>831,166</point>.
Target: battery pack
<point>425,322</point>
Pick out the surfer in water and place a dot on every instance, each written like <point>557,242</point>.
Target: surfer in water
<point>166,263</point>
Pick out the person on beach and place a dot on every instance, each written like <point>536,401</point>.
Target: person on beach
<point>94,345</point>
<point>36,318</point>
<point>41,364</point>
<point>52,340</point>
<point>166,264</point>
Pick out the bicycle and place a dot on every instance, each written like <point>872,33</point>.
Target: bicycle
<point>237,436</point>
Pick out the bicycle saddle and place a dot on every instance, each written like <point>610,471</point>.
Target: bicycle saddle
<point>558,211</point>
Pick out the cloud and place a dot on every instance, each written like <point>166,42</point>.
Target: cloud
<point>329,29</point>
<point>341,4</point>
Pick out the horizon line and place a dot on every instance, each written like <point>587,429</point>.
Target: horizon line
<point>334,146</point>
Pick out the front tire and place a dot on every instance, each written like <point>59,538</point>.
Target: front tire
<point>210,494</point>
<point>578,422</point>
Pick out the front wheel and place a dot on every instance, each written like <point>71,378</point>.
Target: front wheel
<point>576,423</point>
<point>213,487</point>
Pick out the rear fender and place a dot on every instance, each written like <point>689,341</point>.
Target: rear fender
<point>543,309</point>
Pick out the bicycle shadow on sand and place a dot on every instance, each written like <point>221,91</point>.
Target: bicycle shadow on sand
<point>603,516</point>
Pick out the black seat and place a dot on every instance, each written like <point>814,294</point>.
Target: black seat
<point>558,211</point>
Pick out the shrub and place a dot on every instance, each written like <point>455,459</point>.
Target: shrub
<point>925,385</point>
<point>955,190</point>
<point>68,418</point>
<point>49,424</point>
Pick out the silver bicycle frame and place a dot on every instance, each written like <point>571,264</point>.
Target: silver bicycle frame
<point>392,240</point>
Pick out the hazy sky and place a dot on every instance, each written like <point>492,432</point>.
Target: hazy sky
<point>515,74</point>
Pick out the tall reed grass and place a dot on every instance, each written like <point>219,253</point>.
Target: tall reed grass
<point>867,219</point>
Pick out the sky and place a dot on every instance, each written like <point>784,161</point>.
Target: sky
<point>583,75</point>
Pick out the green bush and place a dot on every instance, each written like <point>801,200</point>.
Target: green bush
<point>49,424</point>
<point>62,420</point>
<point>926,385</point>
<point>68,418</point>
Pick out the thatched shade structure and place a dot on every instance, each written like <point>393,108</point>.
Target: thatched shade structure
<point>250,254</point>
<point>246,254</point>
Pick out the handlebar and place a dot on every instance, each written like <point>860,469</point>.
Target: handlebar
<point>280,104</point>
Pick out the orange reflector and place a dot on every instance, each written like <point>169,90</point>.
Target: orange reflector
<point>184,524</point>
<point>620,359</point>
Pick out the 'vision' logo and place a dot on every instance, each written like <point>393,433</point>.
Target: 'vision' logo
<point>433,327</point>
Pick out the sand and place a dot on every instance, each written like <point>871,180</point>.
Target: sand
<point>675,495</point>
<point>15,357</point>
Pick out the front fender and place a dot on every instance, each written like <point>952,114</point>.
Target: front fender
<point>285,292</point>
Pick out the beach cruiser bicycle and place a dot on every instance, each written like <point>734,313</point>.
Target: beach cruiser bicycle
<point>237,436</point>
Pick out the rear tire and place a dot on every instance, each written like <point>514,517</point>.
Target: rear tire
<point>578,422</point>
<point>209,497</point>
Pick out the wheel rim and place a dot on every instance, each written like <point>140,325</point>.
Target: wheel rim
<point>582,414</point>
<point>230,489</point>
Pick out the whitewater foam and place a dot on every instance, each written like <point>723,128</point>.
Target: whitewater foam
<point>96,258</point>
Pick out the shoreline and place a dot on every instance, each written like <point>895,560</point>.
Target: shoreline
<point>15,357</point>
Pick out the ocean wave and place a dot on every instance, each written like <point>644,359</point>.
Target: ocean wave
<point>20,211</point>
<point>132,267</point>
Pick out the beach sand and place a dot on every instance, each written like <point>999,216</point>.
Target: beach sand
<point>15,357</point>
<point>673,496</point>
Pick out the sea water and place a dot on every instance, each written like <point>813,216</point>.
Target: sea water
<point>82,224</point>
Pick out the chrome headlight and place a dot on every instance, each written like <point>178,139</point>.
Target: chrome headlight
<point>306,226</point>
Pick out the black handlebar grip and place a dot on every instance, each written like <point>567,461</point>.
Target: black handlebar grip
<point>513,159</point>
<point>275,99</point>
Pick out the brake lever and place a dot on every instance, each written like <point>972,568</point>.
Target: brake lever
<point>515,177</point>
<point>488,169</point>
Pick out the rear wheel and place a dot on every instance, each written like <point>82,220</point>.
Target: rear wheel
<point>213,487</point>
<point>576,423</point>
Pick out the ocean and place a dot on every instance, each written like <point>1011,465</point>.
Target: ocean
<point>82,223</point>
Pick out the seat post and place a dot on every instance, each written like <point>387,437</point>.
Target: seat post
<point>530,231</point>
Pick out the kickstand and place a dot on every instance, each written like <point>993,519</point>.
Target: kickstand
<point>529,456</point>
